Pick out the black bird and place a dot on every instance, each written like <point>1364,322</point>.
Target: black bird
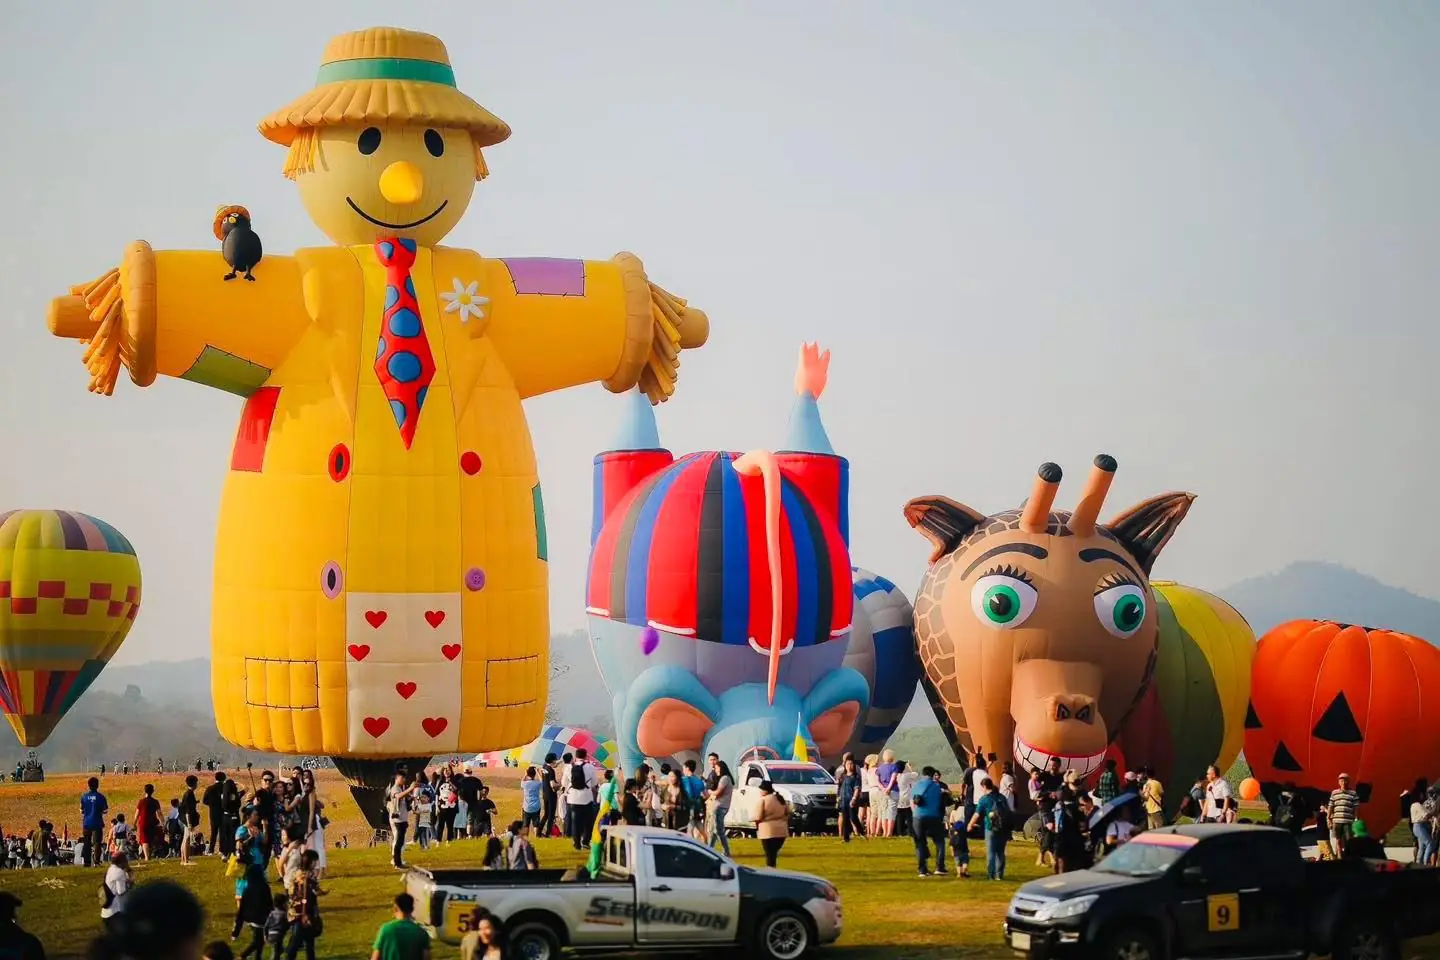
<point>239,243</point>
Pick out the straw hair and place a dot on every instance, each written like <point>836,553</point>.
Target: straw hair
<point>429,99</point>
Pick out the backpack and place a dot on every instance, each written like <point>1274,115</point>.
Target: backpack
<point>577,777</point>
<point>999,818</point>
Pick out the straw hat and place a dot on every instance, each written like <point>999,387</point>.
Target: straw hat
<point>385,74</point>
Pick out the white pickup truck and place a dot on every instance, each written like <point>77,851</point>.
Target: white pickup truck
<point>808,788</point>
<point>657,891</point>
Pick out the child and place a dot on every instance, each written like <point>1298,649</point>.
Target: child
<point>277,925</point>
<point>960,841</point>
<point>484,809</point>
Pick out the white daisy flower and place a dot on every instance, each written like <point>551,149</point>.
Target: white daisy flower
<point>465,300</point>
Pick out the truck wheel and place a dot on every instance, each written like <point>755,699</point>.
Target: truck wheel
<point>1365,940</point>
<point>783,935</point>
<point>1129,943</point>
<point>534,940</point>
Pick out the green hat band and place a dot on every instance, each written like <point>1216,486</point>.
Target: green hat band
<point>386,68</point>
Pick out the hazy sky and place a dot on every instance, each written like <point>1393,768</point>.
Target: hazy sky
<point>1201,237</point>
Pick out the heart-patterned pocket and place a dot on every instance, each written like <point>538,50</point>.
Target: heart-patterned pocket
<point>375,726</point>
<point>376,618</point>
<point>406,689</point>
<point>450,650</point>
<point>434,726</point>
<point>359,650</point>
<point>434,617</point>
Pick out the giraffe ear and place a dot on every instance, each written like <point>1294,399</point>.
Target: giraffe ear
<point>1145,528</point>
<point>942,521</point>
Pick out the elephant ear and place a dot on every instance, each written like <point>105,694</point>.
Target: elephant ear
<point>833,708</point>
<point>669,712</point>
<point>669,726</point>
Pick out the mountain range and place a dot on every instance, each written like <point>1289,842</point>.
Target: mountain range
<point>142,712</point>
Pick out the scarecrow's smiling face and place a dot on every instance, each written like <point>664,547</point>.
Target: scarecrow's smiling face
<point>377,181</point>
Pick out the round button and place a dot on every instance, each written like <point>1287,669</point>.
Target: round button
<point>339,463</point>
<point>475,579</point>
<point>470,462</point>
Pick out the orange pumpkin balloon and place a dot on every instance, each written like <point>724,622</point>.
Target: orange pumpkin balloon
<point>1249,788</point>
<point>1330,698</point>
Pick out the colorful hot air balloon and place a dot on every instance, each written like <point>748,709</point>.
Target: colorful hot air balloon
<point>1193,713</point>
<point>560,741</point>
<point>882,649</point>
<point>1331,698</point>
<point>719,597</point>
<point>69,593</point>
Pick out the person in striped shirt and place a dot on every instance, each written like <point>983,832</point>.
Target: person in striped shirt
<point>1340,812</point>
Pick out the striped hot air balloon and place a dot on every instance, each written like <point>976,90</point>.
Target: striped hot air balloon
<point>882,649</point>
<point>69,593</point>
<point>1193,713</point>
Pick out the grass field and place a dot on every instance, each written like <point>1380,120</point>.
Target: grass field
<point>889,912</point>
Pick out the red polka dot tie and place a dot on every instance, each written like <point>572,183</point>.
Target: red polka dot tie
<point>403,361</point>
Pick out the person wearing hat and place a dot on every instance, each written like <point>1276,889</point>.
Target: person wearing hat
<point>15,943</point>
<point>383,467</point>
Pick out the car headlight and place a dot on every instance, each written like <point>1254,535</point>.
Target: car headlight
<point>800,800</point>
<point>1063,909</point>
<point>829,893</point>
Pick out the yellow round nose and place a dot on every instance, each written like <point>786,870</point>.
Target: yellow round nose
<point>402,182</point>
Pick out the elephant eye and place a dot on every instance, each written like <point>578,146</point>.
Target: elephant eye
<point>1083,714</point>
<point>1062,712</point>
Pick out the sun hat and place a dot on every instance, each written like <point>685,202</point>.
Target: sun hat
<point>384,74</point>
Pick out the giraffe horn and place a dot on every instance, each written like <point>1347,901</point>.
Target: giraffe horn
<point>1082,521</point>
<point>1035,518</point>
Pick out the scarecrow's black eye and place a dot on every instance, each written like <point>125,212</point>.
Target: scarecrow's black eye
<point>369,140</point>
<point>434,143</point>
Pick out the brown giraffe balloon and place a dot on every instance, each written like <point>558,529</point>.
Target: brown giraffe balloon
<point>1036,629</point>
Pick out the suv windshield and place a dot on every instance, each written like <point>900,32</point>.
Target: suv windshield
<point>797,776</point>
<point>1141,859</point>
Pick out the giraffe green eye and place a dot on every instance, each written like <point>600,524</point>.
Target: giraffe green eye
<point>1002,601</point>
<point>1121,609</point>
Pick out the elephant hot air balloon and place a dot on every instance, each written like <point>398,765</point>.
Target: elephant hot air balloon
<point>1193,713</point>
<point>1331,698</point>
<point>720,596</point>
<point>69,593</point>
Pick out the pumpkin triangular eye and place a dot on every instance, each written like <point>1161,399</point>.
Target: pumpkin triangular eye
<point>1284,760</point>
<point>1252,721</point>
<point>1337,724</point>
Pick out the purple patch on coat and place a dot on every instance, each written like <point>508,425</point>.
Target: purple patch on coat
<point>547,276</point>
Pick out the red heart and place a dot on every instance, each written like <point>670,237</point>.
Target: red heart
<point>405,689</point>
<point>359,650</point>
<point>375,726</point>
<point>375,617</point>
<point>451,650</point>
<point>434,617</point>
<point>434,726</point>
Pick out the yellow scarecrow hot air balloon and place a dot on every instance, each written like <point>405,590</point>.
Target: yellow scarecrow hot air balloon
<point>380,569</point>
<point>69,593</point>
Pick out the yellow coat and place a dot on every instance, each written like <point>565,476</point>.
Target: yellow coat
<point>373,600</point>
